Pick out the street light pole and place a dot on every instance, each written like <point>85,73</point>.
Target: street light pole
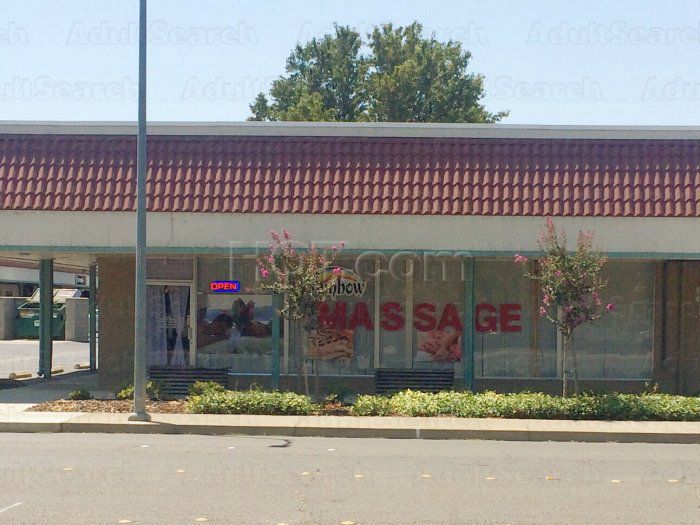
<point>139,413</point>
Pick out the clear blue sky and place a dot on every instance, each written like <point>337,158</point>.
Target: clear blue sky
<point>568,62</point>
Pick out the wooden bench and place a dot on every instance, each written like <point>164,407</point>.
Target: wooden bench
<point>176,380</point>
<point>395,379</point>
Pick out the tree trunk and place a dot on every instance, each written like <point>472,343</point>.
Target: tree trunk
<point>317,394</point>
<point>564,373</point>
<point>575,365</point>
<point>303,346</point>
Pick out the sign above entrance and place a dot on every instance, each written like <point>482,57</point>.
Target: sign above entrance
<point>225,286</point>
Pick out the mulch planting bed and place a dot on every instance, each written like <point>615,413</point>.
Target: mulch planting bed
<point>115,406</point>
<point>110,406</point>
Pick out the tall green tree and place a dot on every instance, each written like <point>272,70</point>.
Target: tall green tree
<point>396,75</point>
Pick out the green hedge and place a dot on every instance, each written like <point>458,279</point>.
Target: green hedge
<point>154,392</point>
<point>214,400</point>
<point>639,407</point>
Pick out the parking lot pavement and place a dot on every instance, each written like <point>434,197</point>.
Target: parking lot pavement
<point>22,355</point>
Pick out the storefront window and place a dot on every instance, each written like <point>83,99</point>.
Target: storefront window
<point>619,346</point>
<point>438,312</point>
<point>393,350</point>
<point>504,346</point>
<point>234,330</point>
<point>344,342</point>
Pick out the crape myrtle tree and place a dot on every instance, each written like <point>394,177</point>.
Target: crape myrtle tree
<point>299,275</point>
<point>570,284</point>
<point>396,74</point>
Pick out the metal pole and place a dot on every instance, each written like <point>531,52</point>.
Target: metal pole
<point>93,317</point>
<point>139,413</point>
<point>468,333</point>
<point>275,361</point>
<point>45,317</point>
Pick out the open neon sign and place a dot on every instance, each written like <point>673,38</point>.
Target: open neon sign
<point>225,286</point>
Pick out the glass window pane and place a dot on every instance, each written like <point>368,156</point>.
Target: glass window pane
<point>438,312</point>
<point>233,330</point>
<point>619,345</point>
<point>345,339</point>
<point>392,335</point>
<point>503,324</point>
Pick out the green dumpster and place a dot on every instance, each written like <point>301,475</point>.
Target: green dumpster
<point>28,316</point>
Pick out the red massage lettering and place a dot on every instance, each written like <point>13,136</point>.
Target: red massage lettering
<point>392,319</point>
<point>510,313</point>
<point>424,320</point>
<point>360,317</point>
<point>485,323</point>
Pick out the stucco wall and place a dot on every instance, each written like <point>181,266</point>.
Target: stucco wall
<point>116,303</point>
<point>8,315</point>
<point>97,231</point>
<point>77,319</point>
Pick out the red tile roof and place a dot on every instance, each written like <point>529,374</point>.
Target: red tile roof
<point>355,175</point>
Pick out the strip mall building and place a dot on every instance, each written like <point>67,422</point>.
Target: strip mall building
<point>431,216</point>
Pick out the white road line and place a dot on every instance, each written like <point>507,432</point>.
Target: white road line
<point>10,507</point>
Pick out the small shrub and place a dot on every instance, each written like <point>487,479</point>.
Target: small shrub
<point>201,387</point>
<point>250,402</point>
<point>154,392</point>
<point>80,394</point>
<point>633,407</point>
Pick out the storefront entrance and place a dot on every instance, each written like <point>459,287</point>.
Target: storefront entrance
<point>168,324</point>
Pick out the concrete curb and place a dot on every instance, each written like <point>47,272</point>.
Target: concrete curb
<point>363,427</point>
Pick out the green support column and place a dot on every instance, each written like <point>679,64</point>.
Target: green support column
<point>93,317</point>
<point>275,361</point>
<point>468,336</point>
<point>45,317</point>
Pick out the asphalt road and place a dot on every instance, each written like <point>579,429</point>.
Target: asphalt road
<point>23,355</point>
<point>95,479</point>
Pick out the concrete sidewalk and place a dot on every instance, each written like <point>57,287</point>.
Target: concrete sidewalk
<point>361,427</point>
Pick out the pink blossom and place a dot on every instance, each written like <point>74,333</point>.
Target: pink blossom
<point>274,235</point>
<point>342,244</point>
<point>558,273</point>
<point>270,259</point>
<point>543,311</point>
<point>337,271</point>
<point>265,274</point>
<point>334,248</point>
<point>547,299</point>
<point>286,234</point>
<point>520,259</point>
<point>610,307</point>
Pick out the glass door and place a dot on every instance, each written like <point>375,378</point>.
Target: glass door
<point>168,324</point>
